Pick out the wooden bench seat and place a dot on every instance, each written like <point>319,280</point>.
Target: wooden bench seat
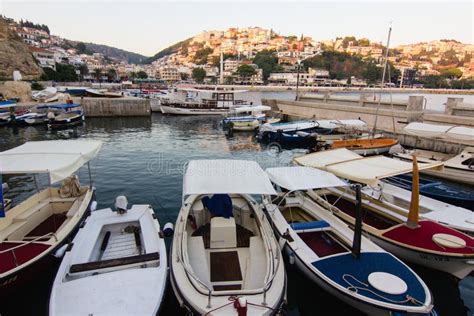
<point>96,265</point>
<point>26,214</point>
<point>10,229</point>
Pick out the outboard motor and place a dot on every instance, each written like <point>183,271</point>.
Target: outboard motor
<point>121,204</point>
<point>168,229</point>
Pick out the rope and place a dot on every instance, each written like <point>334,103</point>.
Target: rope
<point>355,289</point>
<point>232,299</point>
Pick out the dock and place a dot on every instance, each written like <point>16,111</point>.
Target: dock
<point>108,107</point>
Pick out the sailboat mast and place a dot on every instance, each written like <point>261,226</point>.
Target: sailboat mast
<point>383,78</point>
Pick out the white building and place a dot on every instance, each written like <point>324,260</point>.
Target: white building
<point>44,57</point>
<point>170,74</point>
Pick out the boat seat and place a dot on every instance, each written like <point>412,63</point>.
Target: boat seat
<point>74,208</point>
<point>223,233</point>
<point>198,259</point>
<point>28,213</point>
<point>10,229</point>
<point>256,265</point>
<point>103,264</point>
<point>307,227</point>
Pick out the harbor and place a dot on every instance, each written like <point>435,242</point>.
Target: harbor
<point>155,150</point>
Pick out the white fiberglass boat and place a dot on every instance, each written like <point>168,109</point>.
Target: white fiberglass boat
<point>225,258</point>
<point>116,265</point>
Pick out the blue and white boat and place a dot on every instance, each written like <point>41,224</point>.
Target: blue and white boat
<point>70,115</point>
<point>246,118</point>
<point>345,264</point>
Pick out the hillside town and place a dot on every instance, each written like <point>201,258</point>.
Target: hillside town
<point>257,56</point>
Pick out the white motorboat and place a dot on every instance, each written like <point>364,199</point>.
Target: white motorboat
<point>398,200</point>
<point>116,265</point>
<point>50,94</point>
<point>330,254</point>
<point>246,118</point>
<point>224,257</point>
<point>32,231</point>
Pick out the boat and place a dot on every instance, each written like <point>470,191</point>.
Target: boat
<point>68,115</point>
<point>418,240</point>
<point>303,132</point>
<point>449,132</point>
<point>50,94</point>
<point>224,257</point>
<point>117,264</point>
<point>33,231</point>
<point>398,200</point>
<point>365,147</point>
<point>246,118</point>
<point>74,91</point>
<point>462,196</point>
<point>329,253</point>
<point>190,101</point>
<point>457,168</point>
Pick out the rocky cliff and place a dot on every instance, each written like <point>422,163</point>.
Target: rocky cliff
<point>15,55</point>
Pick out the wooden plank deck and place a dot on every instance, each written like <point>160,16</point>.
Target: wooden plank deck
<point>225,266</point>
<point>243,235</point>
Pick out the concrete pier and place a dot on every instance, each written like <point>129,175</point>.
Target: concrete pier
<point>102,107</point>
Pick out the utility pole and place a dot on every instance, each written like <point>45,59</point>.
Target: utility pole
<point>297,78</point>
<point>222,68</point>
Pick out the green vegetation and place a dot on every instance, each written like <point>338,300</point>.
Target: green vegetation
<point>27,23</point>
<point>202,55</point>
<point>199,74</point>
<point>62,73</point>
<point>97,74</point>
<point>141,75</point>
<point>216,60</point>
<point>268,62</point>
<point>36,86</point>
<point>449,58</point>
<point>111,74</point>
<point>168,51</point>
<point>452,73</point>
<point>245,71</point>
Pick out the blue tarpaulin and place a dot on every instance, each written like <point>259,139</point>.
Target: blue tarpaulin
<point>219,205</point>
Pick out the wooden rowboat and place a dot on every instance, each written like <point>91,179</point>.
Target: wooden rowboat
<point>366,147</point>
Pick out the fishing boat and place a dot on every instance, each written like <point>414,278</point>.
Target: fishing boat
<point>457,168</point>
<point>303,132</point>
<point>224,257</point>
<point>462,196</point>
<point>342,262</point>
<point>421,241</point>
<point>32,232</point>
<point>246,118</point>
<point>50,94</point>
<point>116,264</point>
<point>68,115</point>
<point>190,101</point>
<point>398,200</point>
<point>365,147</point>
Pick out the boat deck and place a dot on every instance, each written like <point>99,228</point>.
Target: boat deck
<point>368,217</point>
<point>243,235</point>
<point>321,243</point>
<point>225,266</point>
<point>49,225</point>
<point>22,254</point>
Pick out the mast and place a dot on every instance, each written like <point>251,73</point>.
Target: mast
<point>383,78</point>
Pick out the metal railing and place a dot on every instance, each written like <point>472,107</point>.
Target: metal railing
<point>12,249</point>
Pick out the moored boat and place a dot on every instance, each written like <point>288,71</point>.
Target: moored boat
<point>365,147</point>
<point>420,241</point>
<point>246,118</point>
<point>116,264</point>
<point>33,231</point>
<point>329,253</point>
<point>224,257</point>
<point>68,115</point>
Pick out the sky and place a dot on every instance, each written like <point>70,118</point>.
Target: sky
<point>148,26</point>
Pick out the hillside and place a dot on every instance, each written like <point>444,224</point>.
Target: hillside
<point>170,50</point>
<point>15,55</point>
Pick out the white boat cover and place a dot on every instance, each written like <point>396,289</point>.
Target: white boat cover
<point>349,165</point>
<point>226,176</point>
<point>59,158</point>
<point>210,90</point>
<point>440,131</point>
<point>303,178</point>
<point>341,123</point>
<point>299,125</point>
<point>255,108</point>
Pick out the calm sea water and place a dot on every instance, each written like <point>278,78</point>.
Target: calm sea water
<point>144,159</point>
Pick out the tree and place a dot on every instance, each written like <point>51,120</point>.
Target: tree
<point>63,73</point>
<point>142,75</point>
<point>267,61</point>
<point>452,73</point>
<point>245,71</point>
<point>201,56</point>
<point>111,74</point>
<point>81,48</point>
<point>198,75</point>
<point>98,74</point>
<point>184,76</point>
<point>84,71</point>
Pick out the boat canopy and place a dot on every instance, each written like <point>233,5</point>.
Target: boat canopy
<point>226,176</point>
<point>440,131</point>
<point>255,108</point>
<point>210,90</point>
<point>303,178</point>
<point>341,123</point>
<point>349,165</point>
<point>58,158</point>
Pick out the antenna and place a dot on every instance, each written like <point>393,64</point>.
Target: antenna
<point>383,78</point>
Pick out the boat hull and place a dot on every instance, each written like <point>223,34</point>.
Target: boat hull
<point>458,266</point>
<point>63,124</point>
<point>15,282</point>
<point>192,111</point>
